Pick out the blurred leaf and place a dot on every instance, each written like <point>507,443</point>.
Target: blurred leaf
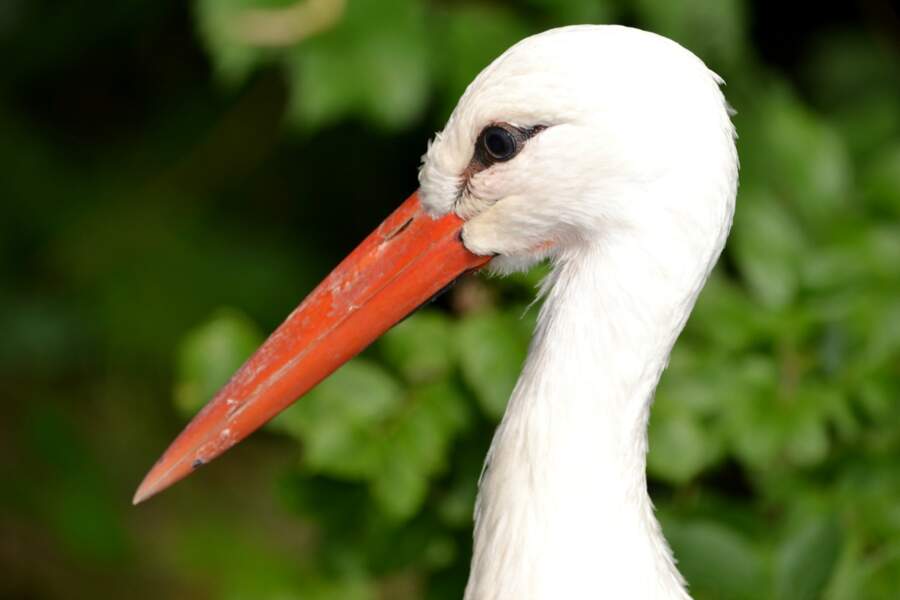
<point>678,449</point>
<point>568,12</point>
<point>881,181</point>
<point>374,63</point>
<point>717,561</point>
<point>400,487</point>
<point>416,448</point>
<point>867,488</point>
<point>210,354</point>
<point>726,317</point>
<point>421,347</point>
<point>459,57</point>
<point>881,577</point>
<point>768,247</point>
<point>806,560</point>
<point>492,350</point>
<point>864,574</point>
<point>754,431</point>
<point>233,60</point>
<point>682,445</point>
<point>713,30</point>
<point>814,406</point>
<point>339,421</point>
<point>796,155</point>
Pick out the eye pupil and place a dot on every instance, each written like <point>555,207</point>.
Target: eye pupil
<point>499,143</point>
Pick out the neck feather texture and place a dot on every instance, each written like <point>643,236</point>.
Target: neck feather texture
<point>563,509</point>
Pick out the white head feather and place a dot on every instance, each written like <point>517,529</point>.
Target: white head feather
<point>624,109</point>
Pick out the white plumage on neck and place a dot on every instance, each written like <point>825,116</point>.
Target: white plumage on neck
<point>563,510</point>
<point>629,190</point>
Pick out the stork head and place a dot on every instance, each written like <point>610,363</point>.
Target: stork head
<point>571,136</point>
<point>578,133</point>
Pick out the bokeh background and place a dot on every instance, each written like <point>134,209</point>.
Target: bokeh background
<point>176,176</point>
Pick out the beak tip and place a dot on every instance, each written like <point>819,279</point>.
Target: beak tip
<point>144,492</point>
<point>153,483</point>
<point>166,472</point>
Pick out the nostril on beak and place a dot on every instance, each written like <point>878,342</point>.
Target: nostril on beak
<point>399,230</point>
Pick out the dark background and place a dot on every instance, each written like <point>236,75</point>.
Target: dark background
<point>170,191</point>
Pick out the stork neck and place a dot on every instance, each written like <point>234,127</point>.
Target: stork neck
<point>563,508</point>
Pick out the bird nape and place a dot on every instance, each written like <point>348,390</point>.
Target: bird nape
<point>610,152</point>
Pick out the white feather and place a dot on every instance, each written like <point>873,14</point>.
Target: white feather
<point>630,192</point>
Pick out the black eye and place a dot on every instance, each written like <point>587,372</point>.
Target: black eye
<point>500,144</point>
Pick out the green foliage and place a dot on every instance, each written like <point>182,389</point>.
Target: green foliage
<point>806,560</point>
<point>210,354</point>
<point>491,353</point>
<point>421,348</point>
<point>722,562</point>
<point>361,424</point>
<point>147,192</point>
<point>373,64</point>
<point>711,29</point>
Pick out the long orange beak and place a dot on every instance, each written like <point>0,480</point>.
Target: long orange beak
<point>406,261</point>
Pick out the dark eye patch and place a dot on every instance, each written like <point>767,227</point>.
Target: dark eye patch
<point>498,142</point>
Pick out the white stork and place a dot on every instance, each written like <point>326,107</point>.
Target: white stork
<point>610,152</point>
